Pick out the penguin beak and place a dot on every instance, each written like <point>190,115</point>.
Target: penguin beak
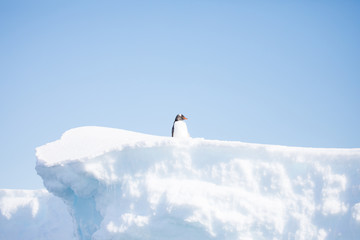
<point>185,118</point>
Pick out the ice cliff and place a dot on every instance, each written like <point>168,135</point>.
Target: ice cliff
<point>119,184</point>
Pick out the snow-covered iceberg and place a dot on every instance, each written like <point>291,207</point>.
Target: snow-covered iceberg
<point>119,184</point>
<point>34,215</point>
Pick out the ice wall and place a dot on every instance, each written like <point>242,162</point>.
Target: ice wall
<point>33,215</point>
<point>125,185</point>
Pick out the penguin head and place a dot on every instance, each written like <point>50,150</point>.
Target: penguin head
<point>180,117</point>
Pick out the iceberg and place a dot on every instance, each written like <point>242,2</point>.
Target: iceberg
<point>104,183</point>
<point>119,184</point>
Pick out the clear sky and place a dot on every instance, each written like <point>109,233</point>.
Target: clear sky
<point>274,72</point>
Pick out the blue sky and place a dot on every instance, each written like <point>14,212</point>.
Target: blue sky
<point>274,72</point>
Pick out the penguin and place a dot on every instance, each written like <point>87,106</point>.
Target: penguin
<point>179,129</point>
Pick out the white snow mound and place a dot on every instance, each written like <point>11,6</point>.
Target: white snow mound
<point>125,185</point>
<point>34,215</point>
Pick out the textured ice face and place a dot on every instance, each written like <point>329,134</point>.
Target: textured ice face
<point>34,214</point>
<point>119,184</point>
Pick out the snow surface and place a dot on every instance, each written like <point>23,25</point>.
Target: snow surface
<point>125,185</point>
<point>34,215</point>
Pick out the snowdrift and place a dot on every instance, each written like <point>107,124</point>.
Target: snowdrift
<point>33,215</point>
<point>119,184</point>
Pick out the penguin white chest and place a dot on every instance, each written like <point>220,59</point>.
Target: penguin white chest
<point>180,129</point>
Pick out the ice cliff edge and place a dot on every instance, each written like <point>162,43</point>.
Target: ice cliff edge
<point>119,184</point>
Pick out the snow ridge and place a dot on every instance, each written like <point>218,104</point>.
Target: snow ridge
<point>124,185</point>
